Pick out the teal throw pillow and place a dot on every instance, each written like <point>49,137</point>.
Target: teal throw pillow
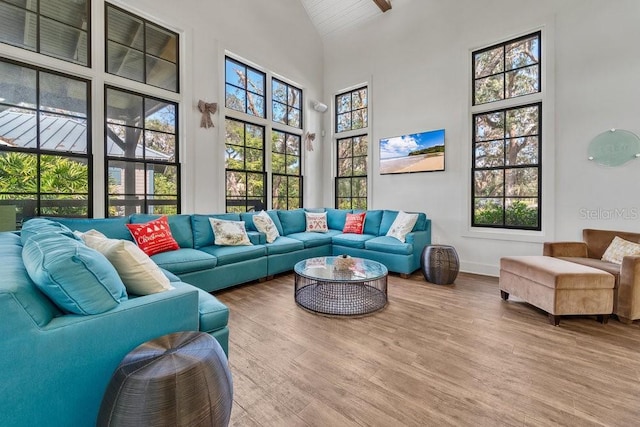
<point>76,278</point>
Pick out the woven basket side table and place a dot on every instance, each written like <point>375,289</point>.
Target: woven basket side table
<point>179,379</point>
<point>440,264</point>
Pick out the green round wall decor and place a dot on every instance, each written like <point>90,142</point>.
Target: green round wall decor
<point>614,147</point>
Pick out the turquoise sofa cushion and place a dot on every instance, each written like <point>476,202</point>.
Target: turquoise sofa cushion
<point>387,219</point>
<point>77,278</point>
<point>213,314</point>
<point>312,239</point>
<point>180,227</point>
<point>16,281</point>
<point>113,228</point>
<point>202,232</point>
<point>43,225</point>
<point>283,245</point>
<point>371,221</point>
<point>421,223</point>
<point>389,216</point>
<point>336,218</point>
<point>292,221</point>
<point>388,244</point>
<point>247,217</point>
<point>185,260</point>
<point>257,238</point>
<point>276,220</point>
<point>232,254</point>
<point>351,240</point>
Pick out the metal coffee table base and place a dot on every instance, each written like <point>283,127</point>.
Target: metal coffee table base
<point>341,298</point>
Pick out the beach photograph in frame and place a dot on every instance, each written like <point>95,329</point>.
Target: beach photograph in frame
<point>416,152</point>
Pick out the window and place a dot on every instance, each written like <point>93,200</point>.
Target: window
<point>507,135</point>
<point>352,110</point>
<point>249,162</point>
<point>244,166</point>
<point>351,182</point>
<point>286,179</point>
<point>44,144</point>
<point>141,152</point>
<point>287,104</point>
<point>139,50</point>
<point>507,70</point>
<point>244,88</point>
<point>58,28</point>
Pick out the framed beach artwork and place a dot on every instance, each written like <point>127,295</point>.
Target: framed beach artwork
<point>416,152</point>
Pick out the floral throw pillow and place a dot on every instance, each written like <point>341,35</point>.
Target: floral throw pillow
<point>402,225</point>
<point>619,248</point>
<point>265,224</point>
<point>229,233</point>
<point>316,222</point>
<point>154,236</point>
<point>354,223</point>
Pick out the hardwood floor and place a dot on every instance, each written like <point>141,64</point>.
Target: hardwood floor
<point>452,355</point>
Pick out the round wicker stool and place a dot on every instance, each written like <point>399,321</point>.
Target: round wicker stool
<point>440,264</point>
<point>180,379</point>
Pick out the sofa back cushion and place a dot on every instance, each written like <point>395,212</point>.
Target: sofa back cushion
<point>599,240</point>
<point>113,228</point>
<point>372,221</point>
<point>180,227</point>
<point>17,284</point>
<point>202,232</point>
<point>389,216</point>
<point>336,218</point>
<point>292,221</point>
<point>42,225</point>
<point>77,278</point>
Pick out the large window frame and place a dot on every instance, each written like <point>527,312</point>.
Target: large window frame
<point>352,147</point>
<point>62,162</point>
<point>142,48</point>
<point>507,193</point>
<point>141,162</point>
<point>50,26</point>
<point>271,176</point>
<point>98,78</point>
<point>286,179</point>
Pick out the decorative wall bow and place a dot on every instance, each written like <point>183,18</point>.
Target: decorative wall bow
<point>207,109</point>
<point>308,140</point>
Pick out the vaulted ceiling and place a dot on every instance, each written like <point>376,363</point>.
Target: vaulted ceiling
<point>330,16</point>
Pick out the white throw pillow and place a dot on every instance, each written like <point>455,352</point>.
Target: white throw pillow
<point>619,248</point>
<point>229,233</point>
<point>265,224</point>
<point>402,225</point>
<point>316,222</point>
<point>140,275</point>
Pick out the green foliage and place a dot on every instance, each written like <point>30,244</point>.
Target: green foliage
<point>517,214</point>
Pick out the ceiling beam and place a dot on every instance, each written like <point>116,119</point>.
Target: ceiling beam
<point>384,5</point>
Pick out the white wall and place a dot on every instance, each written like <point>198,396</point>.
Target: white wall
<point>274,35</point>
<point>417,59</point>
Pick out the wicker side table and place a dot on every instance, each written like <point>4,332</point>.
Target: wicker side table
<point>179,379</point>
<point>440,264</point>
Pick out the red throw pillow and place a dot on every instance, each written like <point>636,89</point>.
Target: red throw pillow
<point>154,236</point>
<point>354,223</point>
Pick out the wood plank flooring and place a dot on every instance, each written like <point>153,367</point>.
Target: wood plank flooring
<point>452,355</point>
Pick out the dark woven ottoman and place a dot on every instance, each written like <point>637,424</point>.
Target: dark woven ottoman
<point>180,379</point>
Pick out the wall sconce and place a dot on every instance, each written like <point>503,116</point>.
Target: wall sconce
<point>319,106</point>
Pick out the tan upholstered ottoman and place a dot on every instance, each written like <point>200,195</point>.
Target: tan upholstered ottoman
<point>558,287</point>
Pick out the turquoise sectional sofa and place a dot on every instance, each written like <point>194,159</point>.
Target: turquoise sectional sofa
<point>55,366</point>
<point>211,267</point>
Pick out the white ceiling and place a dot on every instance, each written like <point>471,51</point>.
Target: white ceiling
<point>330,16</point>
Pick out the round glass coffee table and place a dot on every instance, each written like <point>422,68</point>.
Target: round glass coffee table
<point>327,287</point>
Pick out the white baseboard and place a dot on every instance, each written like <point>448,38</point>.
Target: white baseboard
<point>480,268</point>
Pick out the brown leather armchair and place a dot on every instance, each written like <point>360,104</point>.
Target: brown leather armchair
<point>626,294</point>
